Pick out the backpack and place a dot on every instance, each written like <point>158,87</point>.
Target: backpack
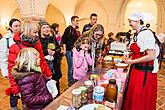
<point>7,42</point>
<point>160,45</point>
<point>8,46</point>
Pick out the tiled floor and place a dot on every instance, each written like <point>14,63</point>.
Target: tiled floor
<point>4,100</point>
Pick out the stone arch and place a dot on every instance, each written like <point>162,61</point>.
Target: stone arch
<point>17,14</point>
<point>53,15</point>
<point>6,9</point>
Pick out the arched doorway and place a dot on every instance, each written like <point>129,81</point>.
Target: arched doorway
<point>150,14</point>
<point>53,15</point>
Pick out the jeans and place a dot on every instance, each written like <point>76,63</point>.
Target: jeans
<point>69,61</point>
<point>13,100</point>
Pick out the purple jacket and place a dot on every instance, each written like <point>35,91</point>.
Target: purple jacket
<point>34,92</point>
<point>80,64</point>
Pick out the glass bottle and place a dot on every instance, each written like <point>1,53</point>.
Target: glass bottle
<point>112,91</point>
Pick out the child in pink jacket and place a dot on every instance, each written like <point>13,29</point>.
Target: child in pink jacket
<point>81,58</point>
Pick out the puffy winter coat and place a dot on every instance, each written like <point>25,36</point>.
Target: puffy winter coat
<point>80,64</point>
<point>4,51</point>
<point>13,52</point>
<point>34,92</point>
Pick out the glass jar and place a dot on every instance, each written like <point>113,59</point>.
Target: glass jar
<point>98,94</point>
<point>83,94</point>
<point>76,98</point>
<point>89,86</point>
<point>112,91</point>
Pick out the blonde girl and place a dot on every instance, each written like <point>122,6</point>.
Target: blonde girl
<point>28,60</point>
<point>32,84</point>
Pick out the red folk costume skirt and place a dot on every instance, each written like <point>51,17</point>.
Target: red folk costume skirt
<point>138,96</point>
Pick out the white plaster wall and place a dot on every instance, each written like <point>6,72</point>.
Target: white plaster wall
<point>7,7</point>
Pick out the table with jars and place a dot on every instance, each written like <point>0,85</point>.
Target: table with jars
<point>101,89</point>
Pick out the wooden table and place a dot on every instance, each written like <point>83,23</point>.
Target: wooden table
<point>66,97</point>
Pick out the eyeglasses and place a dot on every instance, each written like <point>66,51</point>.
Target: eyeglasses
<point>99,34</point>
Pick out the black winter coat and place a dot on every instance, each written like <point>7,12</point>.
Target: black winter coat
<point>57,57</point>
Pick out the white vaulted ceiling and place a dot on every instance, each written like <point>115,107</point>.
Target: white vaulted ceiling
<point>32,8</point>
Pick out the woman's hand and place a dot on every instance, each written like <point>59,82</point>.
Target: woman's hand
<point>86,52</point>
<point>64,51</point>
<point>18,94</point>
<point>126,54</point>
<point>82,52</point>
<point>128,60</point>
<point>100,58</point>
<point>50,77</point>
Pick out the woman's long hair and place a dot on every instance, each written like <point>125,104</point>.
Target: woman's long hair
<point>29,26</point>
<point>90,33</point>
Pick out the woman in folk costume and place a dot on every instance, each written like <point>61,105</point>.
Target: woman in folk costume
<point>142,87</point>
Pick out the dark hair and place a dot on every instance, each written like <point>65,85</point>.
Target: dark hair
<point>110,34</point>
<point>147,25</point>
<point>12,21</point>
<point>42,23</point>
<point>54,26</point>
<point>76,27</point>
<point>141,22</point>
<point>73,18</point>
<point>1,36</point>
<point>93,14</point>
<point>129,31</point>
